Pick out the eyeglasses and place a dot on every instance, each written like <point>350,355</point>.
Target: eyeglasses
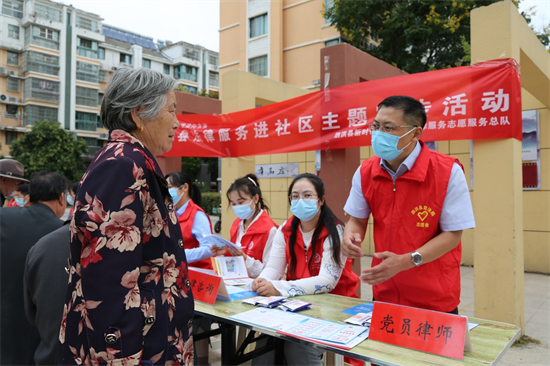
<point>385,128</point>
<point>305,196</point>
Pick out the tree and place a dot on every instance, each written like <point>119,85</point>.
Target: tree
<point>48,147</point>
<point>413,35</point>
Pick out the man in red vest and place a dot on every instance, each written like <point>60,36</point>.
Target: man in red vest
<point>420,204</point>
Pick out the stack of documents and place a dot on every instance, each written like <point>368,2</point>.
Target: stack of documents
<point>295,305</point>
<point>362,319</point>
<point>266,302</point>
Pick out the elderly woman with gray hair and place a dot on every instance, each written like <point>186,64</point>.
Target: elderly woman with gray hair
<point>129,299</point>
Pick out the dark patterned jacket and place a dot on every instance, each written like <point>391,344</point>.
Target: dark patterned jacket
<point>129,298</point>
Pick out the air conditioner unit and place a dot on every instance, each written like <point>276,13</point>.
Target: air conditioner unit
<point>103,136</point>
<point>4,98</point>
<point>14,100</point>
<point>115,68</point>
<point>14,73</point>
<point>3,71</point>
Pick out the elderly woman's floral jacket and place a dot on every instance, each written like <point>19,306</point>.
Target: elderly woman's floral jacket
<point>129,299</point>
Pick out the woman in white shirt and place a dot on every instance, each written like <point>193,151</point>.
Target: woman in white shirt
<point>308,246</point>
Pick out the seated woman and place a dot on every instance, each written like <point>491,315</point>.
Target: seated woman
<point>195,223</point>
<point>308,245</point>
<point>253,229</point>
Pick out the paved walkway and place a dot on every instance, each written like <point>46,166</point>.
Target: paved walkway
<point>537,317</point>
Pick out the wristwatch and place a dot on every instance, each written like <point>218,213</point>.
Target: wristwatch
<point>416,258</point>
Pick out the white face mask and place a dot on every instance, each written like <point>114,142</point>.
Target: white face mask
<point>244,212</point>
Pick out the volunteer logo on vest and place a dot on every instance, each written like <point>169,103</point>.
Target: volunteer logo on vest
<point>316,261</point>
<point>250,245</point>
<point>423,213</point>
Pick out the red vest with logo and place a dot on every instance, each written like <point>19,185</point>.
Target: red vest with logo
<point>348,282</point>
<point>255,238</point>
<point>406,216</point>
<point>186,223</point>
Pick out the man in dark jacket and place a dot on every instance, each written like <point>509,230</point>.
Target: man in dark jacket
<point>45,286</point>
<point>20,229</point>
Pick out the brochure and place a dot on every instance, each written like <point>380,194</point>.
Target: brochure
<point>220,242</point>
<point>267,302</point>
<point>239,282</point>
<point>274,319</point>
<point>230,268</point>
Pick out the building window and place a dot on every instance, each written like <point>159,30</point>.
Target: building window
<point>87,72</point>
<point>10,136</point>
<point>93,146</point>
<point>13,8</point>
<point>41,89</point>
<point>40,62</point>
<point>190,89</point>
<point>213,60</point>
<point>103,76</point>
<point>13,84</point>
<point>12,111</point>
<point>46,12</point>
<point>86,96</point>
<point>101,53</point>
<point>191,53</point>
<point>13,58</point>
<point>213,79</point>
<point>332,42</point>
<point>127,59</point>
<point>86,121</point>
<point>258,65</point>
<point>258,26</point>
<point>34,114</point>
<point>13,31</point>
<point>43,37</point>
<point>87,48</point>
<point>146,63</point>
<point>166,69</point>
<point>87,24</point>
<point>328,4</point>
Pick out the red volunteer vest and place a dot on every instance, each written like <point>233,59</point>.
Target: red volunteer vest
<point>348,283</point>
<point>186,224</point>
<point>255,238</point>
<point>405,216</point>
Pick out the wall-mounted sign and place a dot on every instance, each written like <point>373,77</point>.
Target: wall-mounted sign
<point>530,150</point>
<point>277,170</point>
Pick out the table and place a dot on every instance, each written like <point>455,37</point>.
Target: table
<point>490,339</point>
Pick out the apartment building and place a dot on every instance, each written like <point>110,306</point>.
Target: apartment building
<point>279,39</point>
<point>56,60</point>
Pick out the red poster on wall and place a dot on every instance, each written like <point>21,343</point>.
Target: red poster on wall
<point>482,101</point>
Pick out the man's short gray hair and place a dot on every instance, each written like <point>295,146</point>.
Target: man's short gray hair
<point>130,89</point>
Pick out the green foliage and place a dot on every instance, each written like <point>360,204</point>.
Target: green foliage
<point>48,147</point>
<point>191,166</point>
<point>211,200</point>
<point>414,36</point>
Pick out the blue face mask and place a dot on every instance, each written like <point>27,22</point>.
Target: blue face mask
<point>174,194</point>
<point>70,200</point>
<point>304,209</point>
<point>385,145</point>
<point>20,201</point>
<point>244,212</point>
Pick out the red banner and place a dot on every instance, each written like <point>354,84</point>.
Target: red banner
<point>205,286</point>
<point>482,101</point>
<point>423,330</point>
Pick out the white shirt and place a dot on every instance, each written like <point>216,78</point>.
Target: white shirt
<point>253,265</point>
<point>200,228</point>
<point>325,281</point>
<point>456,213</point>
